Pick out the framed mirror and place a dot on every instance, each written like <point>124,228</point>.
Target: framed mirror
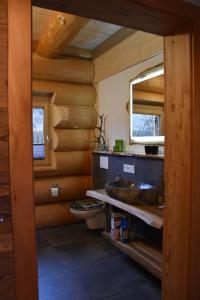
<point>147,107</point>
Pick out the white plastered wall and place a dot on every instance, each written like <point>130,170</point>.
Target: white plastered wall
<point>113,95</point>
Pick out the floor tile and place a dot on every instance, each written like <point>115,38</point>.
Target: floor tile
<point>42,241</point>
<point>107,277</point>
<point>81,254</point>
<point>141,292</point>
<point>61,287</point>
<point>78,264</point>
<point>49,262</point>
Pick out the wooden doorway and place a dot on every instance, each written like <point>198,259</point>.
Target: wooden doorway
<point>178,23</point>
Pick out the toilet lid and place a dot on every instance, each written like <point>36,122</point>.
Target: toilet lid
<point>86,204</point>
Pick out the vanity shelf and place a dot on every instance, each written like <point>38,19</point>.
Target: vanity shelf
<point>143,253</point>
<point>151,215</point>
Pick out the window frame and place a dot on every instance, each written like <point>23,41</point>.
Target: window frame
<point>153,140</point>
<point>150,109</point>
<point>44,103</point>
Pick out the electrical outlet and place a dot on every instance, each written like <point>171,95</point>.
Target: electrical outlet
<point>129,168</point>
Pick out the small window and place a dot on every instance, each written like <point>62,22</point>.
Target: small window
<point>41,131</point>
<point>38,133</point>
<point>146,125</point>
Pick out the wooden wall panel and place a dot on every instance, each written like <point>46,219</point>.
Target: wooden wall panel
<point>7,282</point>
<point>3,124</point>
<point>20,148</point>
<point>4,164</point>
<point>7,287</point>
<point>3,92</point>
<point>194,287</point>
<point>3,53</point>
<point>5,212</point>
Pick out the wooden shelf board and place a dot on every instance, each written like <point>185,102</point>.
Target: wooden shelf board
<point>151,215</point>
<point>144,254</point>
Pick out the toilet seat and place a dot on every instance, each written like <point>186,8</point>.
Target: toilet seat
<point>90,210</point>
<point>86,205</point>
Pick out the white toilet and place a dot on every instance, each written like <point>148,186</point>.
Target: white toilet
<point>90,210</point>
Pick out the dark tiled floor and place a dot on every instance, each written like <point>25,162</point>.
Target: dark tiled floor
<point>78,264</point>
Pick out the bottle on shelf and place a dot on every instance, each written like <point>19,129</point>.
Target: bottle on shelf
<point>124,230</point>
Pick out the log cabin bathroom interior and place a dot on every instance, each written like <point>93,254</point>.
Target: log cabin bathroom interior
<point>99,150</point>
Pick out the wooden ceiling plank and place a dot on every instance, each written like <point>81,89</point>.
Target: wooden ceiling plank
<point>61,30</point>
<point>111,42</point>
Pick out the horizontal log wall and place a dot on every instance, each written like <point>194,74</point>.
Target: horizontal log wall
<point>69,82</point>
<point>70,163</point>
<point>70,188</point>
<point>73,117</point>
<point>67,93</point>
<point>53,215</point>
<point>63,70</point>
<point>72,140</point>
<point>7,284</point>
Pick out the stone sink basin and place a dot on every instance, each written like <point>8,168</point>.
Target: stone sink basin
<point>132,192</point>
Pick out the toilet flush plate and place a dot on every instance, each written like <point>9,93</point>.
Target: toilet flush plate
<point>104,162</point>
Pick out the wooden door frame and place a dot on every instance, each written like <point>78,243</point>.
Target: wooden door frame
<point>182,163</point>
<point>20,147</point>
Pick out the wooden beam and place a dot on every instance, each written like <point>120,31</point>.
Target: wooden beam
<point>76,52</point>
<point>69,51</point>
<point>111,42</point>
<point>20,138</point>
<point>61,30</point>
<point>126,13</point>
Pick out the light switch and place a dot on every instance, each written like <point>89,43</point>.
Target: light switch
<point>104,162</point>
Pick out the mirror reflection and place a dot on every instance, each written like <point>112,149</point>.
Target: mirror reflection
<point>147,107</point>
